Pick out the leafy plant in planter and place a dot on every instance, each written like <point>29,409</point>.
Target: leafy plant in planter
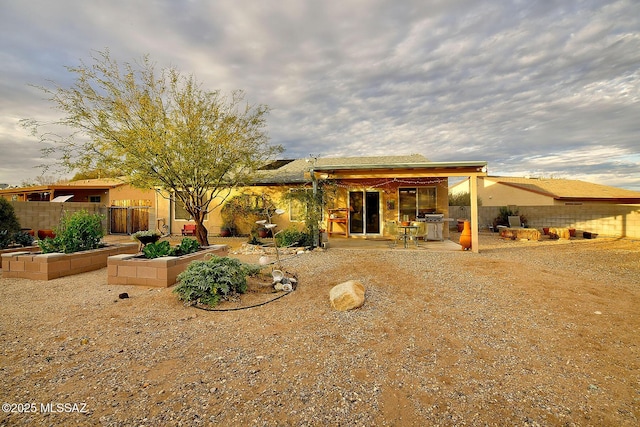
<point>186,246</point>
<point>207,282</point>
<point>157,249</point>
<point>147,236</point>
<point>22,238</point>
<point>80,231</point>
<point>160,249</point>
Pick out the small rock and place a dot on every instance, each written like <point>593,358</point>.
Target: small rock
<point>123,295</point>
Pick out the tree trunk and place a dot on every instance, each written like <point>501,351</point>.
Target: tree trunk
<point>201,233</point>
<point>201,230</point>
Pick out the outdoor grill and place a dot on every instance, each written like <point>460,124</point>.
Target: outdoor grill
<point>434,226</point>
<point>434,218</point>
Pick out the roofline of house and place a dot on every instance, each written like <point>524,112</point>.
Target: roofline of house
<point>58,187</point>
<point>420,165</point>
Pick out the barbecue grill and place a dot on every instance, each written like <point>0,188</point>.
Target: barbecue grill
<point>434,226</point>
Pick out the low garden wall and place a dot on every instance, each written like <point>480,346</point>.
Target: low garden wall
<point>39,266</point>
<point>158,272</point>
<point>21,249</point>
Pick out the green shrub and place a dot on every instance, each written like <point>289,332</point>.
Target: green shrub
<point>186,246</point>
<point>207,282</point>
<point>49,245</point>
<point>8,223</point>
<point>292,236</point>
<point>80,231</point>
<point>5,239</point>
<point>157,249</point>
<point>504,214</point>
<point>22,238</point>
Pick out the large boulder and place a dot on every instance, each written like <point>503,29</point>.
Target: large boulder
<point>347,295</point>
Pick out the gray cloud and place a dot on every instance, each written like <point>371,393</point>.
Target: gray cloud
<point>543,88</point>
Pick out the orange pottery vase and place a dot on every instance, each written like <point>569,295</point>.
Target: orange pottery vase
<point>465,237</point>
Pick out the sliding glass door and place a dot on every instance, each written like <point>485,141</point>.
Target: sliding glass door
<point>364,212</point>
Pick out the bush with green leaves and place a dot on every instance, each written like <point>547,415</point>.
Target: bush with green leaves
<point>207,282</point>
<point>163,248</point>
<point>22,238</point>
<point>503,216</point>
<point>157,249</point>
<point>78,231</point>
<point>293,236</point>
<point>186,246</point>
<point>9,224</point>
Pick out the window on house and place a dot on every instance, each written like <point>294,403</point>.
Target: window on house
<point>94,199</point>
<point>179,211</point>
<point>415,202</point>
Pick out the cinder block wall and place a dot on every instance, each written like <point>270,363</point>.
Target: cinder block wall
<point>46,215</point>
<point>606,220</point>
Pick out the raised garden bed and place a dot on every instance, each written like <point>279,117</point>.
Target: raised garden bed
<point>39,266</point>
<point>18,249</point>
<point>158,272</point>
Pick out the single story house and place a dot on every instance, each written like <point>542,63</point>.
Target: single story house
<point>369,192</point>
<point>366,194</point>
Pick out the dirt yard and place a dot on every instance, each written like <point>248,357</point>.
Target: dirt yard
<point>524,333</point>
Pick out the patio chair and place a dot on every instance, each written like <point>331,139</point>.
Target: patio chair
<point>189,230</point>
<point>420,232</point>
<point>392,229</point>
<point>514,221</point>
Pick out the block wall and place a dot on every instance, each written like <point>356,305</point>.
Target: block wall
<point>605,219</point>
<point>46,215</point>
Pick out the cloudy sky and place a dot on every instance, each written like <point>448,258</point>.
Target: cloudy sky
<point>541,88</point>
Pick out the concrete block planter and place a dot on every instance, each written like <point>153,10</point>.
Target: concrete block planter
<point>158,272</point>
<point>25,249</point>
<point>39,266</point>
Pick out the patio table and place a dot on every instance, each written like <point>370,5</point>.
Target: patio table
<point>406,234</point>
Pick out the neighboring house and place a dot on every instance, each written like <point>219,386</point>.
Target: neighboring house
<point>129,209</point>
<point>514,191</point>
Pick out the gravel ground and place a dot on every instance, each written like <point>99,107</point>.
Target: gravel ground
<point>523,333</point>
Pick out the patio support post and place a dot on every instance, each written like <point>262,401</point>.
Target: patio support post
<point>473,194</point>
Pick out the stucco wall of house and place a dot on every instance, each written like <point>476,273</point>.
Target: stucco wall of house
<point>214,222</point>
<point>140,197</point>
<point>497,194</point>
<point>493,193</point>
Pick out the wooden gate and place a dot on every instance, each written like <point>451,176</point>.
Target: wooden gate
<point>128,220</point>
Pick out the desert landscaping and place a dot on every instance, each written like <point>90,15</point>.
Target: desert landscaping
<point>528,333</point>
